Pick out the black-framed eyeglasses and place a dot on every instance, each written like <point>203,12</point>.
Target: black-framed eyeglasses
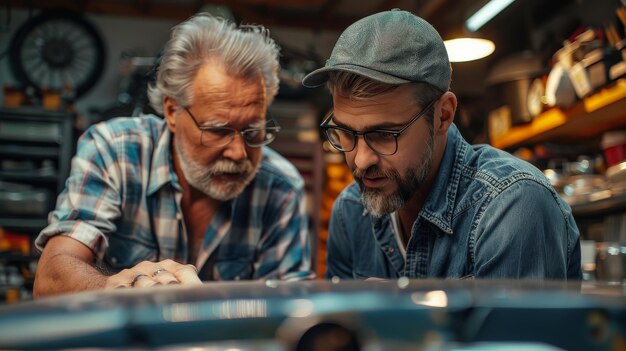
<point>382,141</point>
<point>222,136</point>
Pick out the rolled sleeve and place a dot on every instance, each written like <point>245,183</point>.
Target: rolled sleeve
<point>89,206</point>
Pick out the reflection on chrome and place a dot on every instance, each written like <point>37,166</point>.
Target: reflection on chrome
<point>435,298</point>
<point>271,283</point>
<point>232,309</point>
<point>299,308</point>
<point>616,250</point>
<point>403,282</point>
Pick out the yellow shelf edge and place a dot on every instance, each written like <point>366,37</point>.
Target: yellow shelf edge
<point>548,120</point>
<point>555,117</point>
<point>606,96</point>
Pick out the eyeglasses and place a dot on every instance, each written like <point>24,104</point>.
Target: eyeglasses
<point>382,141</point>
<point>222,136</point>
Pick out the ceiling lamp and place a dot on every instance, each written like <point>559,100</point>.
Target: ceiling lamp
<point>468,49</point>
<point>465,44</point>
<point>486,13</point>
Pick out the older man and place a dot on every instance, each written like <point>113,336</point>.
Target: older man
<point>193,197</point>
<point>426,204</point>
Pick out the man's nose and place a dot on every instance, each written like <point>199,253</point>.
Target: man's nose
<point>236,150</point>
<point>364,156</point>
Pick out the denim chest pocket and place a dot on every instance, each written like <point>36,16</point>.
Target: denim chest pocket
<point>125,251</point>
<point>359,275</point>
<point>369,266</point>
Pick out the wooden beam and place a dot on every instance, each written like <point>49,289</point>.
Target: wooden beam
<point>143,5</point>
<point>430,8</point>
<point>329,8</point>
<point>138,9</point>
<point>273,16</point>
<point>45,4</point>
<point>259,14</point>
<point>309,5</point>
<point>165,11</point>
<point>388,5</point>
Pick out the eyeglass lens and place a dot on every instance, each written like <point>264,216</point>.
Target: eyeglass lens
<point>221,136</point>
<point>381,142</point>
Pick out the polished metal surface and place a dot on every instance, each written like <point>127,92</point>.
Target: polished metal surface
<point>341,315</point>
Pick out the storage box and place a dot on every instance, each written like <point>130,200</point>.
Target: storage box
<point>614,146</point>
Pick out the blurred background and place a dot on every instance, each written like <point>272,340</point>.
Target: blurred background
<point>550,90</point>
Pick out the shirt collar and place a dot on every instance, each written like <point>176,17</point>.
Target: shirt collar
<point>439,209</point>
<point>162,167</point>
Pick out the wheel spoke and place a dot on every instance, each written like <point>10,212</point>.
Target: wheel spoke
<point>87,46</point>
<point>58,51</point>
<point>69,79</point>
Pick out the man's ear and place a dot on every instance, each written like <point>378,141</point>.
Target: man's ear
<point>170,109</point>
<point>447,108</point>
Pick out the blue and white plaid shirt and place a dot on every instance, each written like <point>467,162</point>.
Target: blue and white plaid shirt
<point>122,200</point>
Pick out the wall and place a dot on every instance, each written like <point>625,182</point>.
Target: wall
<point>144,37</point>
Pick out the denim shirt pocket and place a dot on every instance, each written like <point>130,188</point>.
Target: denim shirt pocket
<point>375,266</point>
<point>360,276</point>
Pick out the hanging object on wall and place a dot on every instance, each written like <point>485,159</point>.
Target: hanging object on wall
<point>57,50</point>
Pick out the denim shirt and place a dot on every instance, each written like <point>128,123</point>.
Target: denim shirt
<point>488,215</point>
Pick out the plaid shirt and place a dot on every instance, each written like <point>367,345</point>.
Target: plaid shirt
<point>122,200</point>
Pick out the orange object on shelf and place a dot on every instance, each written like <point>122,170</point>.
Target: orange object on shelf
<point>590,117</point>
<point>338,176</point>
<point>13,97</point>
<point>12,295</point>
<point>51,99</point>
<point>14,242</point>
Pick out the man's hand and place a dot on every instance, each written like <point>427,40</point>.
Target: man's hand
<point>148,273</point>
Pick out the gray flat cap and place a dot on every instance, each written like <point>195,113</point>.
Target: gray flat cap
<point>393,47</point>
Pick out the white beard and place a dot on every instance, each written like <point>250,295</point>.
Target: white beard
<point>202,177</point>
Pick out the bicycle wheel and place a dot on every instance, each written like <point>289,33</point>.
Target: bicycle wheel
<point>57,49</point>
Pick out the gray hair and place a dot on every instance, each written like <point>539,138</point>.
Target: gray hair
<point>361,88</point>
<point>244,51</point>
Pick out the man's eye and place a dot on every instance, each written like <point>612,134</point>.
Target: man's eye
<point>252,134</point>
<point>383,135</point>
<point>220,131</point>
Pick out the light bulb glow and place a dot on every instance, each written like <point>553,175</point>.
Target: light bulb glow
<point>468,49</point>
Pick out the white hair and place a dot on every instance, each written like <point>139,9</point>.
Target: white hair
<point>244,51</point>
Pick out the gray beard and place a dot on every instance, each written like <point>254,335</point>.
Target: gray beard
<point>202,177</point>
<point>378,203</point>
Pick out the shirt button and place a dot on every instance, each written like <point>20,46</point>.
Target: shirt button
<point>391,249</point>
<point>113,259</point>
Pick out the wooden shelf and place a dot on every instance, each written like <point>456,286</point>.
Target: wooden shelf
<point>30,225</point>
<point>25,151</point>
<point>588,118</point>
<point>26,176</point>
<point>613,204</point>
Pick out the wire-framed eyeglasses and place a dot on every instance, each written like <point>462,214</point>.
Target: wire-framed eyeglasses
<point>382,141</point>
<point>222,136</point>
